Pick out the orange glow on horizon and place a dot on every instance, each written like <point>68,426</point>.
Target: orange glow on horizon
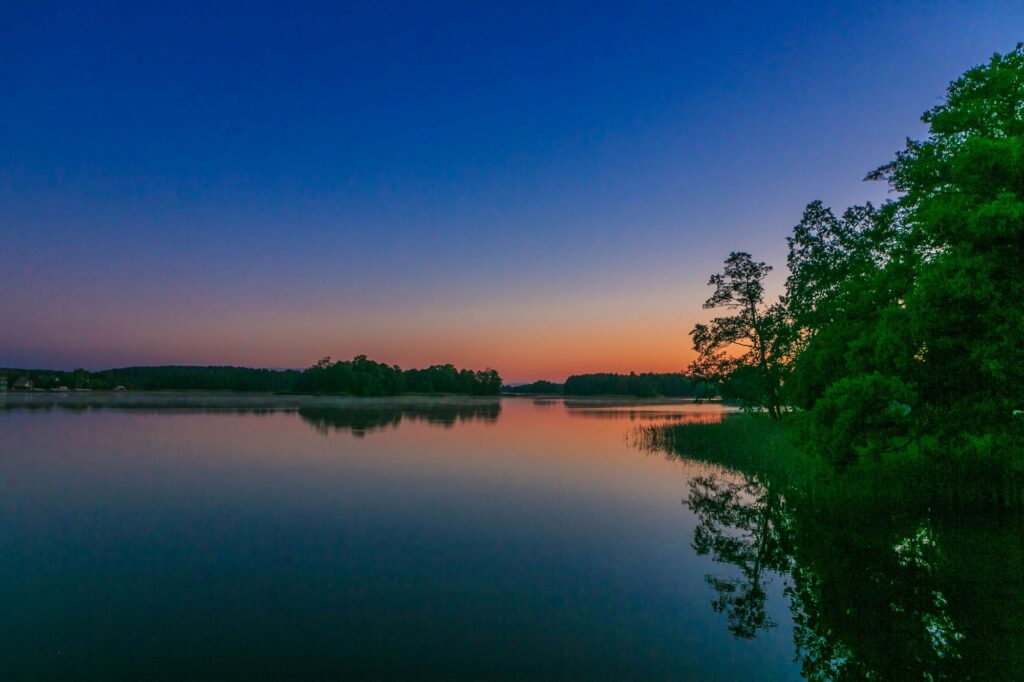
<point>523,340</point>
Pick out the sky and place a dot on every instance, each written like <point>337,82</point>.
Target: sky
<point>539,188</point>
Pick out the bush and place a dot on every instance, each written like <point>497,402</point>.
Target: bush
<point>862,415</point>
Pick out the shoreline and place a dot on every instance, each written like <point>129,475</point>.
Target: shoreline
<point>232,400</point>
<point>227,400</point>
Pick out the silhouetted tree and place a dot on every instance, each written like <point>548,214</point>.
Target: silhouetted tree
<point>760,331</point>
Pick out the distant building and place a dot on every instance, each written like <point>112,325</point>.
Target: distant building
<point>118,388</point>
<point>3,384</point>
<point>23,384</point>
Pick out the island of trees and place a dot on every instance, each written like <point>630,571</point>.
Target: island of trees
<point>359,377</point>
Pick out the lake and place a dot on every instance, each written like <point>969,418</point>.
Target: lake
<point>226,537</point>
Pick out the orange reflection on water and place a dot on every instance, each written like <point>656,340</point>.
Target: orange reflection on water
<point>532,444</point>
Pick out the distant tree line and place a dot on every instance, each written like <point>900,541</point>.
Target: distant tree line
<point>640,385</point>
<point>359,376</point>
<point>646,385</point>
<point>536,388</point>
<point>364,377</point>
<point>899,331</point>
<point>213,378</point>
<point>168,377</point>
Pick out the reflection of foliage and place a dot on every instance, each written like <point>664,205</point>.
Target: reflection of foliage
<point>867,599</point>
<point>880,586</point>
<point>739,523</point>
<point>864,591</point>
<point>358,419</point>
<point>821,656</point>
<point>361,420</point>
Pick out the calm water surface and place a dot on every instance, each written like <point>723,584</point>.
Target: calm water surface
<point>524,539</point>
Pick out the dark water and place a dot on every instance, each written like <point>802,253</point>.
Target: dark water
<point>514,540</point>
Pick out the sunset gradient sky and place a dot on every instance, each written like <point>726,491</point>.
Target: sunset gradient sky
<point>543,189</point>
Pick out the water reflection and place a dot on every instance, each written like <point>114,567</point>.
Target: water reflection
<point>325,414</point>
<point>538,547</point>
<point>742,524</point>
<point>681,412</point>
<point>492,540</point>
<point>874,593</point>
<point>647,416</point>
<point>360,421</point>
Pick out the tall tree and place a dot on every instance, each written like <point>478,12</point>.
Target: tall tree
<point>844,295</point>
<point>755,335</point>
<point>908,318</point>
<point>825,252</point>
<point>963,201</point>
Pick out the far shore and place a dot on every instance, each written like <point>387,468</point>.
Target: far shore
<point>231,400</point>
<point>610,400</point>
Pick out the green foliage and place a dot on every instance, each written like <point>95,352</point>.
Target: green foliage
<point>825,252</point>
<point>862,415</point>
<point>919,301</point>
<point>889,569</point>
<point>752,443</point>
<point>964,209</point>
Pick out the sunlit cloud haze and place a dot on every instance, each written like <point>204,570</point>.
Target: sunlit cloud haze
<point>537,190</point>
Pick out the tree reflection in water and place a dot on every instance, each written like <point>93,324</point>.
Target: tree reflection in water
<point>359,419</point>
<point>362,420</point>
<point>875,592</point>
<point>739,523</point>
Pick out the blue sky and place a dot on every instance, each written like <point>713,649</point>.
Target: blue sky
<point>539,188</point>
